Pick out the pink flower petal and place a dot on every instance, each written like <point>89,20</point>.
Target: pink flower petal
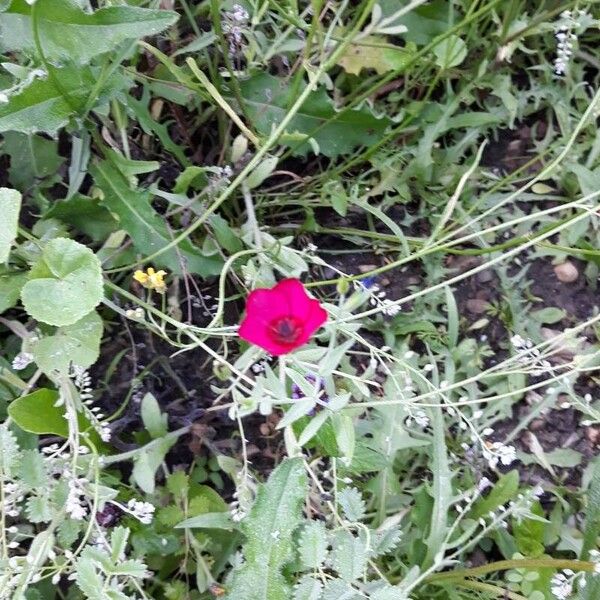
<point>265,308</point>
<point>298,301</point>
<point>315,318</point>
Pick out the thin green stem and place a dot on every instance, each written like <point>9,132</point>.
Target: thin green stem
<point>505,565</point>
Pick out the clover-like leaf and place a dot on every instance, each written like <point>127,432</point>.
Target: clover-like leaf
<point>65,284</point>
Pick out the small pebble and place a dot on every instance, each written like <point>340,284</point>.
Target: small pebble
<point>566,272</point>
<point>476,305</point>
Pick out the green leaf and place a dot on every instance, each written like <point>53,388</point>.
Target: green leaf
<point>263,170</point>
<point>343,428</point>
<point>450,52</point>
<point>77,344</point>
<point>147,463</point>
<point>592,521</point>
<point>384,541</point>
<point>336,589</point>
<point>214,520</point>
<point>313,545</point>
<point>11,285</point>
<point>38,509</point>
<point>36,413</point>
<point>43,107</point>
<point>442,487</point>
<point>88,580</point>
<point>373,52</point>
<point>118,542</point>
<point>308,588</point>
<point>67,33</point>
<point>65,284</point>
<point>268,98</point>
<point>85,215</point>
<point>148,230</point>
<point>550,315</point>
<point>349,555</point>
<point>32,158</point>
<point>10,206</point>
<point>352,503</point>
<point>504,489</point>
<point>33,469</point>
<point>154,421</point>
<point>275,515</point>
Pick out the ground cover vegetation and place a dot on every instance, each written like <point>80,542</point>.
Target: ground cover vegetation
<point>299,299</point>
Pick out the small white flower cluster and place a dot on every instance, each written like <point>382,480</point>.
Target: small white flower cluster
<point>497,452</point>
<point>22,361</point>
<point>75,504</point>
<point>529,356</point>
<point>420,417</point>
<point>12,497</point>
<point>243,496</point>
<point>135,314</point>
<point>562,584</point>
<point>83,382</point>
<point>143,511</point>
<point>377,298</point>
<point>566,35</point>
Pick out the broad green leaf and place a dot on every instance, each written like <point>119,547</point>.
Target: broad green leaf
<point>214,520</point>
<point>86,215</point>
<point>10,289</point>
<point>147,463</point>
<point>10,206</point>
<point>550,314</point>
<point>268,98</point>
<point>423,23</point>
<point>32,158</point>
<point>344,434</point>
<point>42,107</point>
<point>65,284</point>
<point>275,515</point>
<point>77,344</point>
<point>450,52</point>
<point>66,32</point>
<point>154,421</point>
<point>36,413</point>
<point>374,52</point>
<point>264,168</point>
<point>148,230</point>
<point>504,489</point>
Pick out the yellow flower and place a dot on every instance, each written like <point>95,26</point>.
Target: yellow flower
<point>152,280</point>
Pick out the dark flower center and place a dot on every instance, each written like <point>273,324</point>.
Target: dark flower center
<point>286,330</point>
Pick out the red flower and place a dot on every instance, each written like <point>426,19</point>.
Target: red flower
<point>282,318</point>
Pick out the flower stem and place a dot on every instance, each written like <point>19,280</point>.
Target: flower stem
<point>504,565</point>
